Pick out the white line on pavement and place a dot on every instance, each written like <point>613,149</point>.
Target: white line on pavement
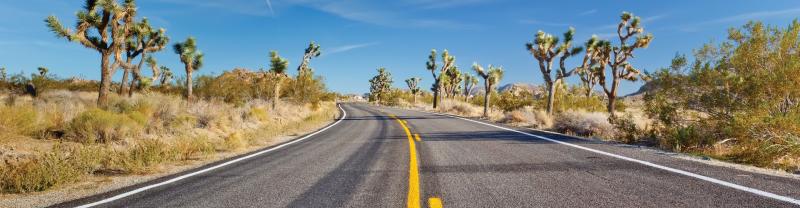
<point>682,172</point>
<point>126,194</point>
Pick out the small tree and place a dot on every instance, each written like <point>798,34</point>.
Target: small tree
<point>590,69</point>
<point>469,83</point>
<point>143,39</point>
<point>111,22</point>
<point>312,51</point>
<point>166,76</point>
<point>545,49</point>
<point>192,60</point>
<point>380,84</point>
<point>447,62</point>
<point>277,68</point>
<point>616,57</point>
<point>3,75</point>
<point>153,64</point>
<point>490,79</point>
<point>413,87</point>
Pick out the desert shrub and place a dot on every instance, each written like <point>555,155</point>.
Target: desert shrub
<point>48,170</point>
<point>744,92</point>
<point>584,123</point>
<point>192,147</point>
<point>234,141</point>
<point>18,120</point>
<point>99,126</point>
<point>508,101</point>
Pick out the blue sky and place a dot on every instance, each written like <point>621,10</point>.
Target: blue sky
<point>358,36</point>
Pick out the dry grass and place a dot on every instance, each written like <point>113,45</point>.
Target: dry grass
<point>62,137</point>
<point>584,124</point>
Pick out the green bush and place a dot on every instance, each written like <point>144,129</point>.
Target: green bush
<point>99,126</point>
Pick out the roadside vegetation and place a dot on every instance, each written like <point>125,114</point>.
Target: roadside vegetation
<point>737,101</point>
<point>57,131</point>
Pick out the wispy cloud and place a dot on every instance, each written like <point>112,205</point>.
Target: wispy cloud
<point>441,4</point>
<point>269,4</point>
<point>587,12</point>
<point>760,15</point>
<point>345,48</point>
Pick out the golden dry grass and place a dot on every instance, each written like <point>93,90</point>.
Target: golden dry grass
<point>62,137</point>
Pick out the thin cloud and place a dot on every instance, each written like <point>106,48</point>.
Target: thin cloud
<point>269,5</point>
<point>588,12</point>
<point>740,17</point>
<point>442,4</point>
<point>351,47</point>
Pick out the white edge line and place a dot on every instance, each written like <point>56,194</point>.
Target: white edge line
<point>682,172</point>
<point>135,191</point>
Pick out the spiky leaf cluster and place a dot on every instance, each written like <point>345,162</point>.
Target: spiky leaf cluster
<point>189,54</point>
<point>277,64</point>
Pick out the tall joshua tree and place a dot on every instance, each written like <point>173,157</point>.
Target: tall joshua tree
<point>277,68</point>
<point>469,83</point>
<point>143,39</point>
<point>192,60</point>
<point>545,49</point>
<point>616,57</point>
<point>447,62</point>
<point>455,78</point>
<point>413,86</point>
<point>380,84</point>
<point>490,79</point>
<point>111,22</point>
<point>312,51</point>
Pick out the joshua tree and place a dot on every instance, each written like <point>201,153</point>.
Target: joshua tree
<point>380,84</point>
<point>43,71</point>
<point>312,51</point>
<point>3,75</point>
<point>111,22</point>
<point>192,60</point>
<point>277,68</point>
<point>590,69</point>
<point>490,79</point>
<point>545,49</point>
<point>166,76</point>
<point>413,87</point>
<point>616,57</point>
<point>142,40</point>
<point>153,64</point>
<point>447,62</point>
<point>453,81</point>
<point>469,82</point>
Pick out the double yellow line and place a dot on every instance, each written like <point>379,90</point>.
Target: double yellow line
<point>413,200</point>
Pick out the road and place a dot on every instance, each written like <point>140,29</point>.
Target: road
<point>370,159</point>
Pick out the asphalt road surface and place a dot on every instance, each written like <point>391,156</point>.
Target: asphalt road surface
<point>371,158</point>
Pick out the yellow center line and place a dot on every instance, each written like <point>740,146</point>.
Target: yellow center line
<point>434,202</point>
<point>416,136</point>
<point>413,200</point>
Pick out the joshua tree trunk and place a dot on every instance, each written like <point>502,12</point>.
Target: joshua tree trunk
<point>551,93</point>
<point>436,94</point>
<point>414,95</point>
<point>105,80</point>
<point>277,93</point>
<point>189,96</point>
<point>486,101</point>
<point>137,74</point>
<point>589,93</point>
<point>123,85</point>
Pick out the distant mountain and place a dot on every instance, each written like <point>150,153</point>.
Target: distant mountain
<point>516,88</point>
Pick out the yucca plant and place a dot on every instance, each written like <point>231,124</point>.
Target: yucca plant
<point>111,22</point>
<point>545,49</point>
<point>491,78</point>
<point>166,76</point>
<point>142,40</point>
<point>380,85</point>
<point>616,57</point>
<point>312,51</point>
<point>448,61</point>
<point>413,87</point>
<point>192,59</point>
<point>277,68</point>
<point>469,83</point>
<point>590,69</point>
